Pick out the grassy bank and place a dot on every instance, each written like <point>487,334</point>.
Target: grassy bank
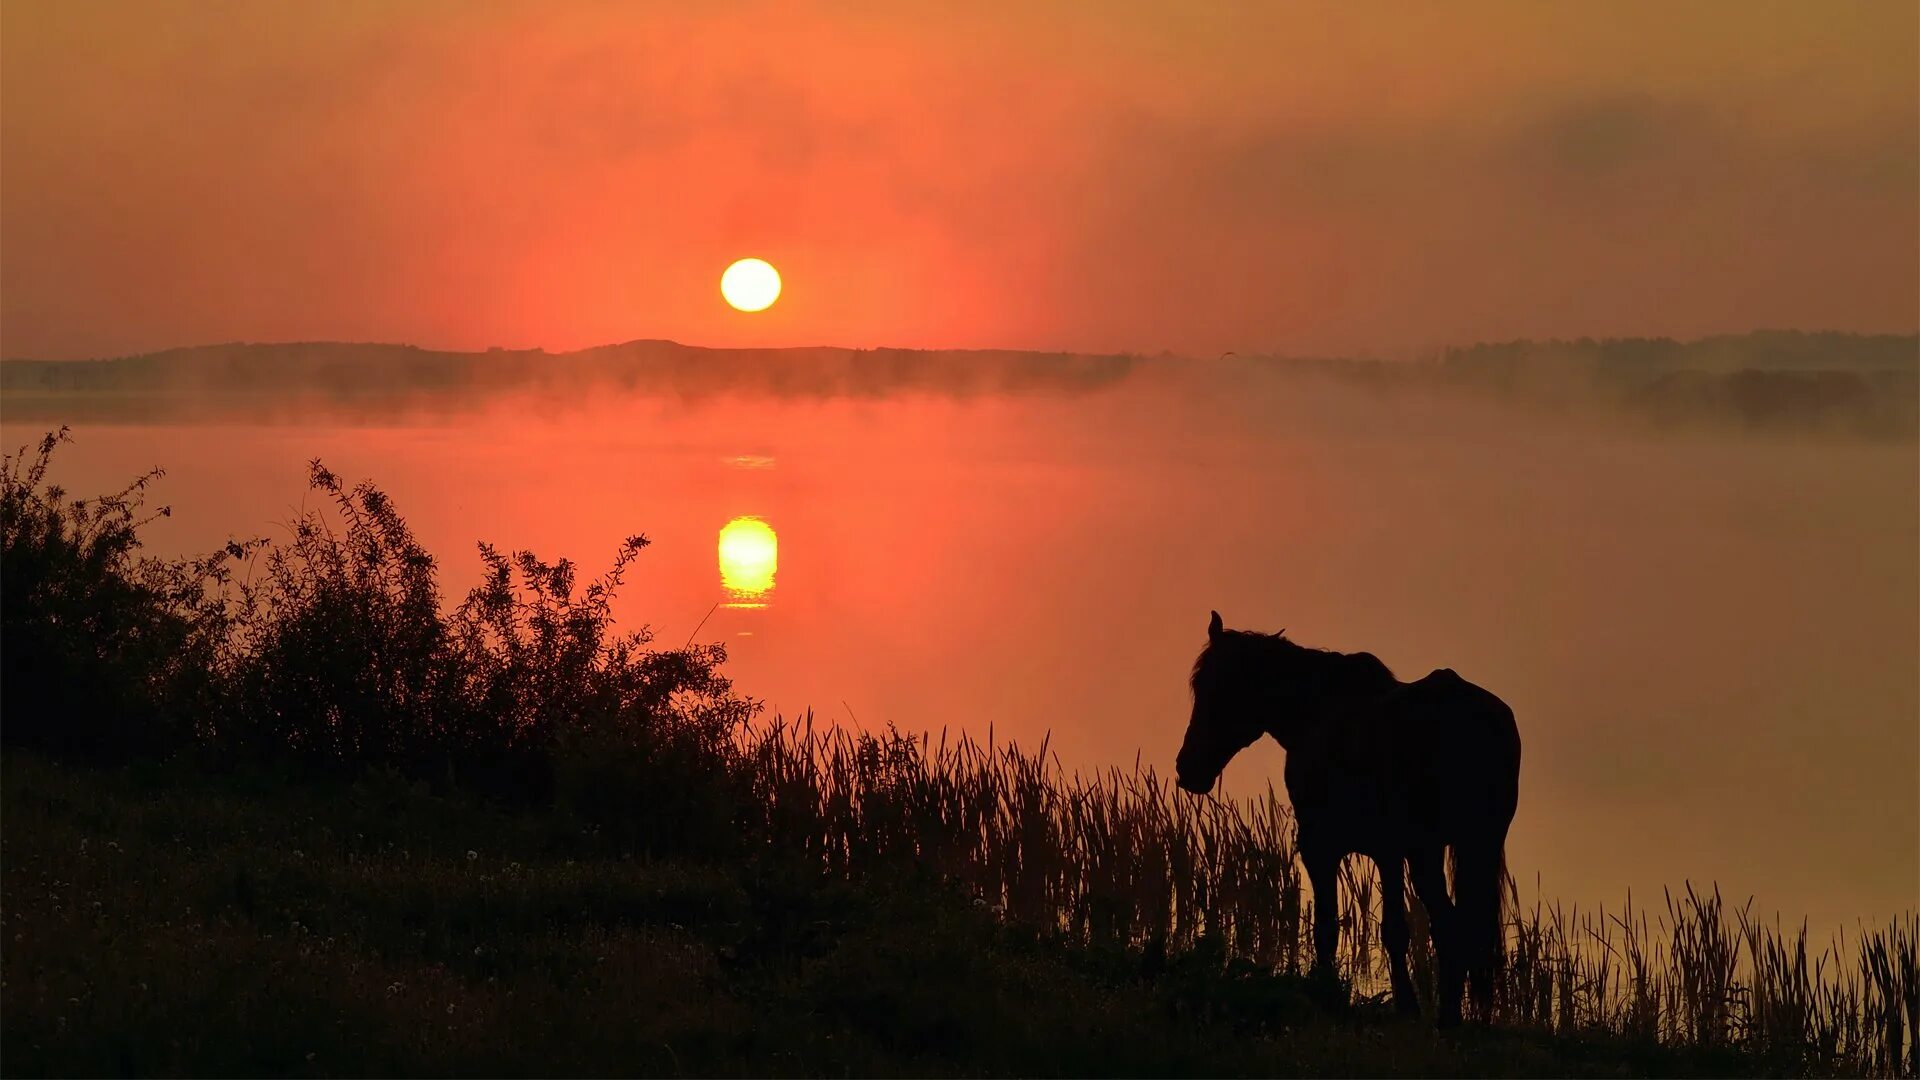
<point>169,919</point>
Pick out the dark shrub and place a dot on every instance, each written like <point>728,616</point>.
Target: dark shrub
<point>643,737</point>
<point>340,650</point>
<point>103,653</point>
<point>336,650</point>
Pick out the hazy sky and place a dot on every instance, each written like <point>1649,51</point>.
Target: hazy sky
<point>1096,176</point>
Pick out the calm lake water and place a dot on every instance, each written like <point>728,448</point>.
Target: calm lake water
<point>1710,641</point>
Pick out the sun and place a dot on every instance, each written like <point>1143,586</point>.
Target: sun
<point>751,285</point>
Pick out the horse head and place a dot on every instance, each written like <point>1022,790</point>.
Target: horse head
<point>1232,703</point>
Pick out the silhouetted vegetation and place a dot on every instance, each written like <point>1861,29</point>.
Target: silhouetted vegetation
<point>348,828</point>
<point>333,648</point>
<point>103,653</point>
<point>167,919</point>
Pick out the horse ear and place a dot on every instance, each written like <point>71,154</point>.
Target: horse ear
<point>1214,627</point>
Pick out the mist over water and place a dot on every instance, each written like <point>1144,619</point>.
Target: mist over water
<point>1710,635</point>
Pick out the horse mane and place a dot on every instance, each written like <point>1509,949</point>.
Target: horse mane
<point>1354,668</point>
<point>1364,667</point>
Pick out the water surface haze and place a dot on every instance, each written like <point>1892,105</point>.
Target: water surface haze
<point>1708,626</point>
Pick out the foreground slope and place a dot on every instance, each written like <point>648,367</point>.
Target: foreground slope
<point>168,919</point>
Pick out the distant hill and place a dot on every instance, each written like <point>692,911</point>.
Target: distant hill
<point>270,380</point>
<point>1848,385</point>
<point>1629,359</point>
<point>1774,380</point>
<point>1769,382</point>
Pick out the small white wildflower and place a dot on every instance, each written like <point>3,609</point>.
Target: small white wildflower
<point>449,1008</point>
<point>472,855</point>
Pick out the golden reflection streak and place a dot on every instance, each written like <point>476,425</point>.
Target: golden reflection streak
<point>749,555</point>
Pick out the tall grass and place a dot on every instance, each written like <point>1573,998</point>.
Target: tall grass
<point>334,648</point>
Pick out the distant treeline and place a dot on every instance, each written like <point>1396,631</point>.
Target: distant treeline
<point>270,380</point>
<point>1630,359</point>
<point>1774,382</point>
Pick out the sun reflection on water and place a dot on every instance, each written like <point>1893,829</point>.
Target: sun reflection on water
<point>749,555</point>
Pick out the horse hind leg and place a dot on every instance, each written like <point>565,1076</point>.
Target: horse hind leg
<point>1479,878</point>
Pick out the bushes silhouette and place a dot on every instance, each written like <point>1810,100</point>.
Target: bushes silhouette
<point>103,652</point>
<point>335,649</point>
<point>339,650</point>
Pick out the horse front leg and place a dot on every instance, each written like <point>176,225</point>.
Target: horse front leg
<point>1323,873</point>
<point>1394,934</point>
<point>1428,868</point>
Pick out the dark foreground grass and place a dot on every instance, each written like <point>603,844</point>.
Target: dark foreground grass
<point>174,918</point>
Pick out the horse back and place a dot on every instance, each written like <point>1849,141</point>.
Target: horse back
<point>1456,748</point>
<point>1426,761</point>
<point>1444,709</point>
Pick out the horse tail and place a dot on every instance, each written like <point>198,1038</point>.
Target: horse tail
<point>1502,910</point>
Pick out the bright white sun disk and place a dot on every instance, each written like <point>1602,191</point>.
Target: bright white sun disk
<point>751,285</point>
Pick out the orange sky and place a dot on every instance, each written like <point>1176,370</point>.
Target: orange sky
<point>1097,176</point>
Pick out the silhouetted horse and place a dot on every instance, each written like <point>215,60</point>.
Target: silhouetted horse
<point>1398,772</point>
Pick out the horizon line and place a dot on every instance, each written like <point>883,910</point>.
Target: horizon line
<point>1365,354</point>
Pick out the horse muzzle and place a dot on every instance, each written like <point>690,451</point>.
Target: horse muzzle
<point>1194,784</point>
